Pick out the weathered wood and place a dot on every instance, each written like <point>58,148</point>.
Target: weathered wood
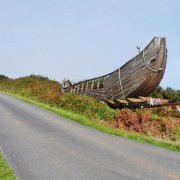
<point>135,100</point>
<point>135,78</point>
<point>87,86</point>
<point>149,99</point>
<point>122,101</point>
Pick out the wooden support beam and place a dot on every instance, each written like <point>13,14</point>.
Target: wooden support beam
<point>87,86</point>
<point>135,100</point>
<point>122,101</point>
<point>82,89</point>
<point>111,102</point>
<point>74,89</point>
<point>149,99</point>
<point>78,88</point>
<point>98,84</point>
<point>92,85</point>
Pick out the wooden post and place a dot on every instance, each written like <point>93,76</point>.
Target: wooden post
<point>98,84</point>
<point>87,86</point>
<point>92,85</point>
<point>78,88</point>
<point>74,89</point>
<point>82,89</point>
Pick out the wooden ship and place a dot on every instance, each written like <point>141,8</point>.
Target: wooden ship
<point>138,77</point>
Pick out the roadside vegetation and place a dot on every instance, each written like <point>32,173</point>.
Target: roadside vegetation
<point>5,172</point>
<point>168,93</point>
<point>158,126</point>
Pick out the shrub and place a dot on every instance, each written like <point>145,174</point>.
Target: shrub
<point>34,86</point>
<point>168,93</point>
<point>87,106</point>
<point>48,91</point>
<point>145,122</point>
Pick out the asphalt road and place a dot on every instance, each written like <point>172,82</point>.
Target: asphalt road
<point>40,145</point>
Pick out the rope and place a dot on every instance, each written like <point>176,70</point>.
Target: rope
<point>153,70</point>
<point>120,83</point>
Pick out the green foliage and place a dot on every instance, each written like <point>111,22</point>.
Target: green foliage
<point>34,86</point>
<point>2,77</point>
<point>178,133</point>
<point>155,117</point>
<point>5,172</point>
<point>158,93</point>
<point>168,93</point>
<point>87,106</point>
<point>48,91</point>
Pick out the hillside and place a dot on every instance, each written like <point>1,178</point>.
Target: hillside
<point>161,123</point>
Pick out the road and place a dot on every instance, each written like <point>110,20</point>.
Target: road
<point>40,145</point>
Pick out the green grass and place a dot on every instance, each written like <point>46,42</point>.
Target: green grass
<point>5,172</point>
<point>97,125</point>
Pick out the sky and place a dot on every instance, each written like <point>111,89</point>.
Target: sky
<point>80,39</point>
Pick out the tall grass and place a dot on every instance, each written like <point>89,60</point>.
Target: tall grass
<point>5,172</point>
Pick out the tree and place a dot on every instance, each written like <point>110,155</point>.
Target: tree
<point>168,93</point>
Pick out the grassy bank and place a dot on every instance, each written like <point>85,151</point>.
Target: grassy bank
<point>5,172</point>
<point>99,125</point>
<point>157,126</point>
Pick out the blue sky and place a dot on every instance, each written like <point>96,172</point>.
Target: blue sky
<point>80,39</point>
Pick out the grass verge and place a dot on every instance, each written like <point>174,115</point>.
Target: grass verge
<point>5,172</point>
<point>97,125</point>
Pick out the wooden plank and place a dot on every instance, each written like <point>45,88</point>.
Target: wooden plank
<point>111,102</point>
<point>149,99</point>
<point>122,101</point>
<point>135,100</point>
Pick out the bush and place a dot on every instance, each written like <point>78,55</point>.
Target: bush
<point>87,106</point>
<point>34,86</point>
<point>168,93</point>
<point>48,91</point>
<point>161,125</point>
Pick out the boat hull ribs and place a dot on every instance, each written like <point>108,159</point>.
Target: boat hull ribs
<point>138,77</point>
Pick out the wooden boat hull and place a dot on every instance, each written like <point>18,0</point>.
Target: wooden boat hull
<point>138,77</point>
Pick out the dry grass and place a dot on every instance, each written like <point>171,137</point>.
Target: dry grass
<point>157,122</point>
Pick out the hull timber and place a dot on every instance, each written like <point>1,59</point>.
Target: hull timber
<point>138,77</point>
